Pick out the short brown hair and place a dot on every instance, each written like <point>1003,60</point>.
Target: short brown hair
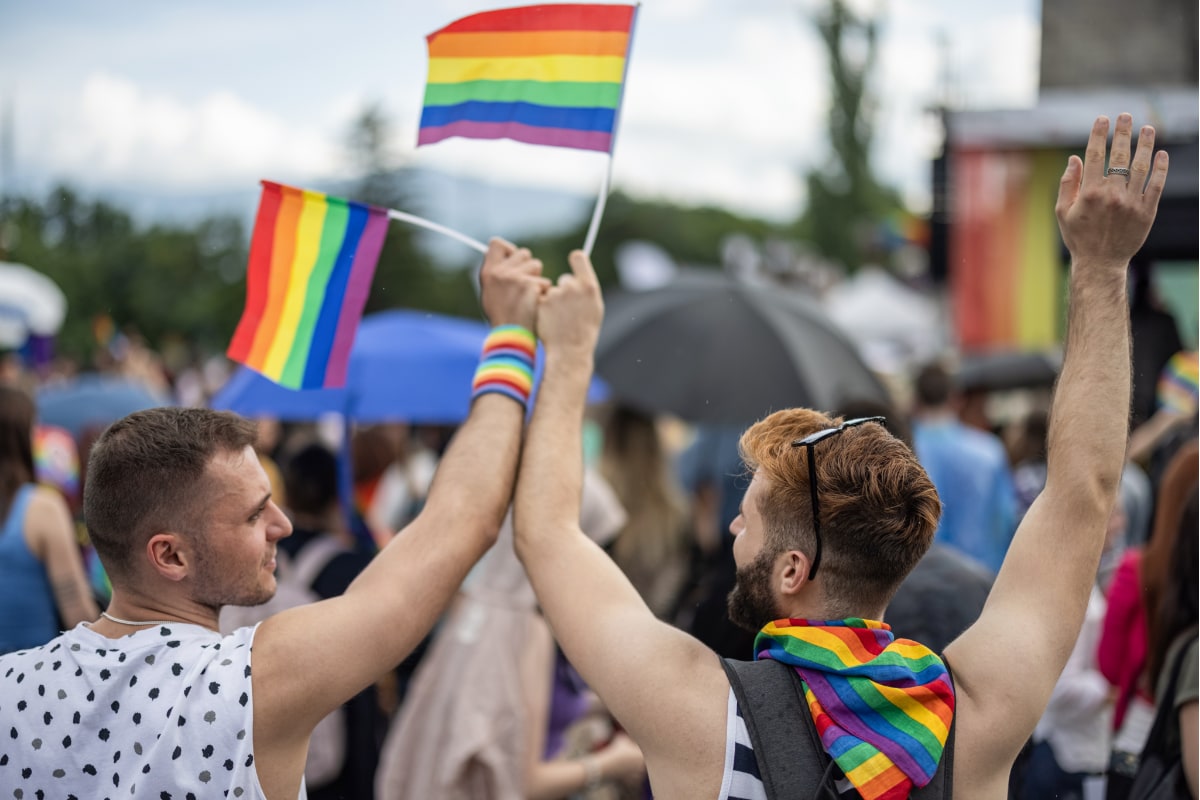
<point>145,474</point>
<point>879,510</point>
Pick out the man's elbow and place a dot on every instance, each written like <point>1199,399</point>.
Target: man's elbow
<point>1085,485</point>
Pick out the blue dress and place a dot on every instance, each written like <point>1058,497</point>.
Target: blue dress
<point>30,615</point>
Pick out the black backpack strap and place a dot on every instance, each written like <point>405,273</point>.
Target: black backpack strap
<point>771,700</point>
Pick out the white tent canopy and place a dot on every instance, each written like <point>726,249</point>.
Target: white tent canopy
<point>30,304</point>
<point>894,327</point>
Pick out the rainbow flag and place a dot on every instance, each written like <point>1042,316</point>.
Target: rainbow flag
<point>312,258</point>
<point>550,75</point>
<point>1177,383</point>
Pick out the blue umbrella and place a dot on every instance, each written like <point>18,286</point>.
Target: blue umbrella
<point>93,400</point>
<point>405,365</point>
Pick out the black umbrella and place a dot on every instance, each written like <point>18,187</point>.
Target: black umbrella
<point>1002,370</point>
<point>715,350</point>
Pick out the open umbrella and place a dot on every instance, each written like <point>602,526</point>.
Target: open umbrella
<point>717,350</point>
<point>30,304</point>
<point>405,365</point>
<point>997,371</point>
<point>93,400</point>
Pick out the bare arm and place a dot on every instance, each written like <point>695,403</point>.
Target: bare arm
<point>665,688</point>
<point>343,644</point>
<point>1006,665</point>
<point>51,538</point>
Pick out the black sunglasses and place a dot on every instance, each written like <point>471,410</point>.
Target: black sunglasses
<point>810,442</point>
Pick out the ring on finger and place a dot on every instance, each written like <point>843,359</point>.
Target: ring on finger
<point>1118,171</point>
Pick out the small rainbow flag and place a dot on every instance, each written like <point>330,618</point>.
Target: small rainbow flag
<point>1177,383</point>
<point>312,258</point>
<point>550,75</point>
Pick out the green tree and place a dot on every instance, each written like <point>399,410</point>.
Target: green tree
<point>405,276</point>
<point>845,201</point>
<point>165,280</point>
<point>689,235</point>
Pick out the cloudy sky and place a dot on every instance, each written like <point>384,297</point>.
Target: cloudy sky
<point>724,102</point>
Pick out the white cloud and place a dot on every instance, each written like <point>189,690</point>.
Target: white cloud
<point>113,129</point>
<point>726,103</point>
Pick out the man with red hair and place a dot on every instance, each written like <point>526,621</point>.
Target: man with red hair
<point>837,514</point>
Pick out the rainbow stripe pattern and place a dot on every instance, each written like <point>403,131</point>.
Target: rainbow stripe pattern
<point>312,258</point>
<point>1004,251</point>
<point>882,706</point>
<point>506,364</point>
<point>549,75</point>
<point>1177,383</point>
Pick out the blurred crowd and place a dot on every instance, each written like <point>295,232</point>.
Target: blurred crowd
<point>489,692</point>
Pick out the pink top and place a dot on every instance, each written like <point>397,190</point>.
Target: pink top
<point>1121,654</point>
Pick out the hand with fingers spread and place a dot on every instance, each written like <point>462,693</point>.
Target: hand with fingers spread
<point>570,313</point>
<point>511,281</point>
<point>1106,214</point>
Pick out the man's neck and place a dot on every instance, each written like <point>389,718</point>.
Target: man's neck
<point>129,606</point>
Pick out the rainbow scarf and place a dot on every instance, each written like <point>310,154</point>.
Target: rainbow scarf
<point>882,705</point>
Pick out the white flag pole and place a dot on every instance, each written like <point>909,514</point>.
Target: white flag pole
<point>590,240</point>
<point>594,228</point>
<point>436,228</point>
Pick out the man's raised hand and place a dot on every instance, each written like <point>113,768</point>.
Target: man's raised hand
<point>571,311</point>
<point>1106,217</point>
<point>511,282</point>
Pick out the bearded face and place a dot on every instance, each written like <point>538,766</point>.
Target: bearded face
<point>751,603</point>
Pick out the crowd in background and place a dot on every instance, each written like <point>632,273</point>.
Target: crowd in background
<point>489,686</point>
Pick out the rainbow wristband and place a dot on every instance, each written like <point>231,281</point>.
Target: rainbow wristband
<point>506,365</point>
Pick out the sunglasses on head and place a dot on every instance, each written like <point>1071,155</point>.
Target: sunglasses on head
<point>810,443</point>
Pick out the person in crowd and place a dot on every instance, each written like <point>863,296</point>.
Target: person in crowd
<point>1171,585</point>
<point>970,469</point>
<point>43,585</point>
<point>392,473</point>
<point>267,446</point>
<point>1124,638</point>
<point>310,482</point>
<point>713,477</point>
<point>652,547</point>
<point>837,514</point>
<point>1155,340</point>
<point>489,707</point>
<point>150,700</point>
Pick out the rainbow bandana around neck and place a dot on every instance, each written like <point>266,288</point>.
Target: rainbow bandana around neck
<point>883,706</point>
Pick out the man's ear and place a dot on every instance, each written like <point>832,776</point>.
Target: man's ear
<point>795,572</point>
<point>169,555</point>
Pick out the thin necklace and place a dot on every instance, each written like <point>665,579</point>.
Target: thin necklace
<point>110,617</point>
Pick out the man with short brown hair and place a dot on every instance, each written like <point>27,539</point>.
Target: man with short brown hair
<point>150,700</point>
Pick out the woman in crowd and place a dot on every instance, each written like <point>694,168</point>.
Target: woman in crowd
<point>652,548</point>
<point>490,706</point>
<point>43,586</point>
<point>1139,597</point>
<point>1171,582</point>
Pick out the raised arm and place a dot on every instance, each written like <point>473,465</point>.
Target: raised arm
<point>656,680</point>
<point>309,660</point>
<point>1006,665</point>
